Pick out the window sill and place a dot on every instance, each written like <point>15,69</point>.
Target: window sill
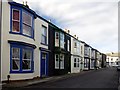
<point>21,34</point>
<point>17,72</point>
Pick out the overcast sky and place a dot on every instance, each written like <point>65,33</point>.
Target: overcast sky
<point>93,21</point>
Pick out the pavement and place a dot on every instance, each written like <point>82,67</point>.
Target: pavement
<point>30,82</point>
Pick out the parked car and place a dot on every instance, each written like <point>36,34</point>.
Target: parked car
<point>118,68</point>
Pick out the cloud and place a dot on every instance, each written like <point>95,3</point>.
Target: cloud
<point>93,21</point>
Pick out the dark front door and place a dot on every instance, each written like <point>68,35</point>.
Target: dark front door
<point>43,64</point>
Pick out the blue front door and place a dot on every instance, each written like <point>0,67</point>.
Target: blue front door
<point>43,64</point>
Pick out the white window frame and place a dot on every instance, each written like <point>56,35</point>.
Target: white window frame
<point>44,36</point>
<point>62,61</point>
<point>62,38</point>
<point>57,40</point>
<point>16,20</point>
<point>57,62</point>
<point>68,47</point>
<point>17,59</point>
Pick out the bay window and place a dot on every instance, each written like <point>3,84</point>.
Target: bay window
<point>22,22</point>
<point>21,59</point>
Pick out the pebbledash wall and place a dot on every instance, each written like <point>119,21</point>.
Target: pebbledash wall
<point>10,40</point>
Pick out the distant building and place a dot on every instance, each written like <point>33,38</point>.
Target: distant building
<point>112,59</point>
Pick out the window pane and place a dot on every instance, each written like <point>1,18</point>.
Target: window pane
<point>57,36</point>
<point>15,52</point>
<point>43,39</point>
<point>15,64</point>
<point>27,30</point>
<point>16,26</point>
<point>44,30</point>
<point>27,57</point>
<point>56,39</point>
<point>27,19</point>
<point>26,64</point>
<point>61,61</point>
<point>61,40</point>
<point>27,54</point>
<point>16,14</point>
<point>56,61</point>
<point>15,58</point>
<point>44,56</point>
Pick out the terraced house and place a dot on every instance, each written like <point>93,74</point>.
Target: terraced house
<point>75,55</point>
<point>31,46</point>
<point>92,66</point>
<point>60,47</point>
<point>82,55</point>
<point>86,57</point>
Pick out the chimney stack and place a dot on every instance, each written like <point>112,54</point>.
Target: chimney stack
<point>75,36</point>
<point>68,31</point>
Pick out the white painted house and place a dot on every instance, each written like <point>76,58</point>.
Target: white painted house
<point>24,39</point>
<point>75,55</point>
<point>112,59</point>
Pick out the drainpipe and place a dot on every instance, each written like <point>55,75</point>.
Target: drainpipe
<point>0,34</point>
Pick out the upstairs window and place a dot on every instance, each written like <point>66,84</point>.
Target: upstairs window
<point>22,22</point>
<point>57,39</point>
<point>16,21</point>
<point>27,24</point>
<point>81,50</point>
<point>62,40</point>
<point>44,35</point>
<point>75,44</point>
<point>68,45</point>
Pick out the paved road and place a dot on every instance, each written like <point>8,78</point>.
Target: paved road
<point>104,78</point>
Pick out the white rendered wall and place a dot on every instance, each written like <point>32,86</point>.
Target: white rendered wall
<point>5,46</point>
<point>75,69</point>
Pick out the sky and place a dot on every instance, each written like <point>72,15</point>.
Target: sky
<point>93,21</point>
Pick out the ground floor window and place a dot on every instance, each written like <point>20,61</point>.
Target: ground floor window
<point>76,62</point>
<point>21,58</point>
<point>86,63</point>
<point>59,61</point>
<point>92,63</point>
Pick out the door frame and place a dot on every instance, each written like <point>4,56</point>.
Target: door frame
<point>46,64</point>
